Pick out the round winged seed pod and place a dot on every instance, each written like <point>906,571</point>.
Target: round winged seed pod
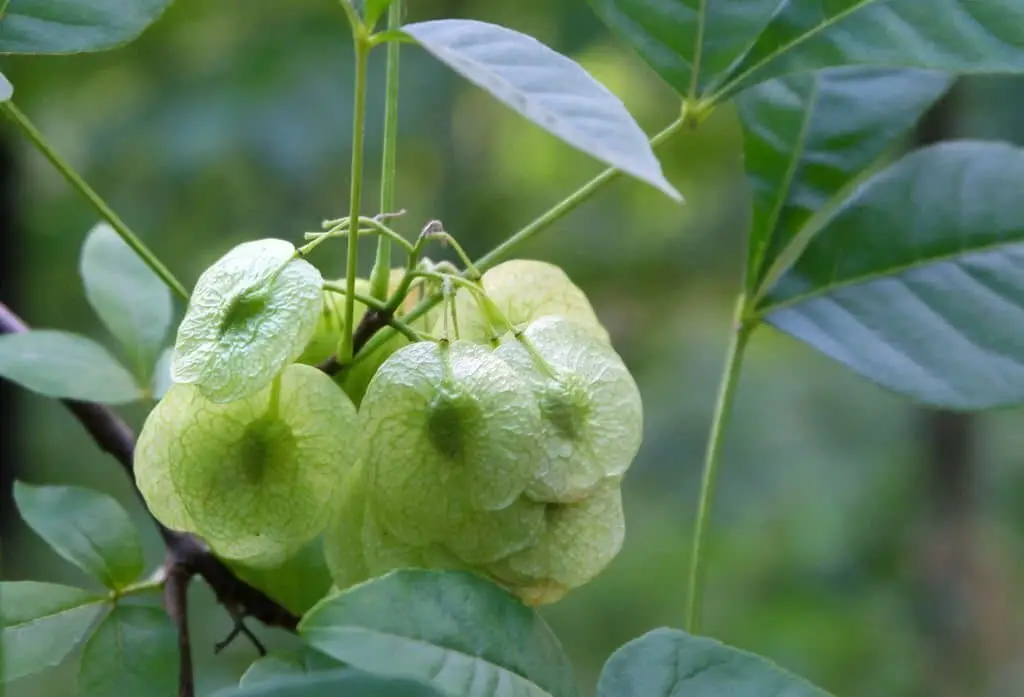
<point>343,538</point>
<point>385,552</point>
<point>256,477</point>
<point>580,540</point>
<point>355,380</point>
<point>524,290</point>
<point>591,408</point>
<point>251,313</point>
<point>450,444</point>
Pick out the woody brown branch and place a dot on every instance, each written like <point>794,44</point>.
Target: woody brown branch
<point>187,555</point>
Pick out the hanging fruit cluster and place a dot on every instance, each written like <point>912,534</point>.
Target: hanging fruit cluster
<point>496,443</point>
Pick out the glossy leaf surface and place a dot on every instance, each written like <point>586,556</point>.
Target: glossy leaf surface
<point>455,629</point>
<point>917,281</point>
<point>89,529</point>
<point>547,88</point>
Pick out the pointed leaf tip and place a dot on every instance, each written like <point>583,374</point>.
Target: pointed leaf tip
<point>88,528</point>
<point>549,89</point>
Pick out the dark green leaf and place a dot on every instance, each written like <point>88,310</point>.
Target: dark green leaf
<point>284,663</point>
<point>457,630</point>
<point>807,138</point>
<point>335,683</point>
<point>75,26</point>
<point>134,651</point>
<point>64,365</point>
<point>130,299</point>
<point>915,281</point>
<point>951,35</point>
<point>6,90</point>
<point>672,663</point>
<point>690,43</point>
<point>87,528</point>
<point>547,88</point>
<point>42,623</point>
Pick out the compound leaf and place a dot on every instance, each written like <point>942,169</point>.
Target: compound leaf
<point>808,137</point>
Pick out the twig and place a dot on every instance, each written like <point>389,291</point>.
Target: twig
<point>176,604</point>
<point>371,323</point>
<point>187,555</point>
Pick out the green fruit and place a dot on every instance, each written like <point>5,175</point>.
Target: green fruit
<point>251,313</point>
<point>591,410</point>
<point>504,462</point>
<point>523,290</point>
<point>450,445</point>
<point>297,583</point>
<point>256,477</point>
<point>356,379</point>
<point>580,540</point>
<point>330,327</point>
<point>343,538</point>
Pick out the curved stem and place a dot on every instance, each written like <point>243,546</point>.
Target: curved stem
<point>567,205</point>
<point>539,224</point>
<point>463,257</point>
<point>741,330</point>
<point>368,300</point>
<point>105,211</point>
<point>382,265</point>
<point>362,50</point>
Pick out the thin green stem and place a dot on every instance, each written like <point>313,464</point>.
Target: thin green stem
<point>368,300</point>
<point>539,224</point>
<point>741,330</point>
<point>105,211</point>
<point>567,205</point>
<point>403,328</point>
<point>353,16</point>
<point>382,265</point>
<point>362,49</point>
<point>448,239</point>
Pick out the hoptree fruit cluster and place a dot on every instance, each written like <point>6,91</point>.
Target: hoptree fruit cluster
<point>496,444</point>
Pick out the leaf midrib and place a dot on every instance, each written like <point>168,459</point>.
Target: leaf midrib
<point>60,611</point>
<point>762,275</point>
<point>727,89</point>
<point>329,631</point>
<point>885,273</point>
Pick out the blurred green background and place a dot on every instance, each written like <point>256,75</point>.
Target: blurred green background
<point>870,546</point>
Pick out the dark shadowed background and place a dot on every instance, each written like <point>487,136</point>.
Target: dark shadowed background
<point>868,545</point>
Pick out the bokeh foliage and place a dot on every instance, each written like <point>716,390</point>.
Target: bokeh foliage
<point>229,121</point>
